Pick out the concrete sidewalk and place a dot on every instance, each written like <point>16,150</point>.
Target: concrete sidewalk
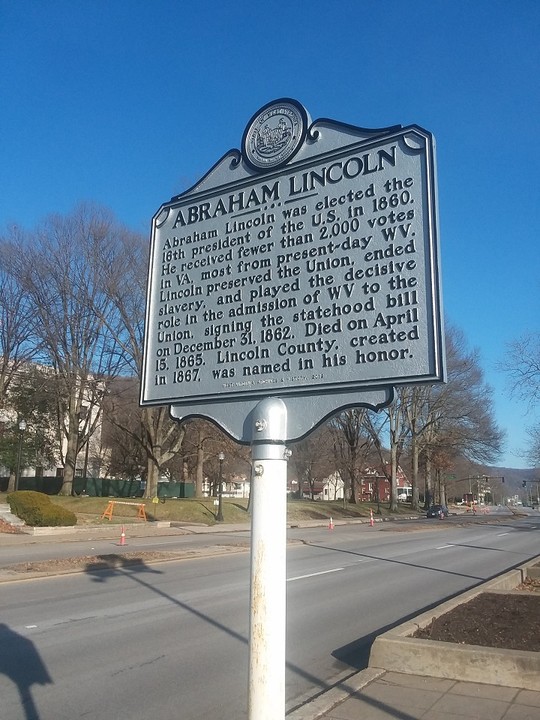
<point>379,695</point>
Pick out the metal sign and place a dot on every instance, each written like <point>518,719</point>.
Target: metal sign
<point>298,277</point>
<point>305,264</point>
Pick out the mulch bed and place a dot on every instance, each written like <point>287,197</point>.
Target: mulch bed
<point>497,620</point>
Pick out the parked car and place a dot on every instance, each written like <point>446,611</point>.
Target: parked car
<point>436,511</point>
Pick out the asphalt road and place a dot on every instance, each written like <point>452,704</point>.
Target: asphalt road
<point>170,640</point>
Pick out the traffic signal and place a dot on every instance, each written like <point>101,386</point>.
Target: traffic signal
<point>524,483</point>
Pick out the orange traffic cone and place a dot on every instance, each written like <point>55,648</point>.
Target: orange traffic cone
<point>371,523</point>
<point>331,524</point>
<point>123,536</point>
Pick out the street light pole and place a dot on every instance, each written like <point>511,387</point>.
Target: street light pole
<point>219,516</point>
<point>22,428</point>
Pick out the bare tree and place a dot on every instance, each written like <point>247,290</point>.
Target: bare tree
<point>124,282</point>
<point>352,441</point>
<point>467,425</point>
<point>312,459</point>
<point>533,453</point>
<point>61,269</point>
<point>163,440</point>
<point>138,441</point>
<point>522,367</point>
<point>18,342</point>
<point>415,403</point>
<point>389,422</point>
<point>201,439</point>
<point>123,451</point>
<point>452,419</point>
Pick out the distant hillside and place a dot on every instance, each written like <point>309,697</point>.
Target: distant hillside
<point>513,480</point>
<point>514,474</point>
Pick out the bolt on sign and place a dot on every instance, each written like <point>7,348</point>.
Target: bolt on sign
<point>303,265</point>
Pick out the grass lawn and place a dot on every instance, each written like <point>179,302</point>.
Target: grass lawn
<point>89,510</point>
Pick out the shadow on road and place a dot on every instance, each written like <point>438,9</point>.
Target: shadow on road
<point>103,571</point>
<point>107,566</point>
<point>21,663</point>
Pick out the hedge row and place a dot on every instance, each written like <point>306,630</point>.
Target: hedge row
<point>37,510</point>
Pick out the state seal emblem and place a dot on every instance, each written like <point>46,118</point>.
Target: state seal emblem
<point>274,134</point>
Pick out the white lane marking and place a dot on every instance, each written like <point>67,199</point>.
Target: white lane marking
<point>29,627</point>
<point>323,572</point>
<point>444,547</point>
<point>502,534</point>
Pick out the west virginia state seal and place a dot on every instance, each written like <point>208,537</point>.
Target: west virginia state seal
<point>274,134</point>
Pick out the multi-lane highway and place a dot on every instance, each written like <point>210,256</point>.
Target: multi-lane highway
<point>170,640</point>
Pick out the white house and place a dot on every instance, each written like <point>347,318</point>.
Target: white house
<point>332,488</point>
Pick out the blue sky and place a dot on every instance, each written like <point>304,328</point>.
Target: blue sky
<point>128,102</point>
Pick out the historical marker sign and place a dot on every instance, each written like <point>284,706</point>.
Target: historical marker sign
<point>305,264</point>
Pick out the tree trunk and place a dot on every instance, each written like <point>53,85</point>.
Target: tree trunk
<point>442,487</point>
<point>353,490</point>
<point>69,468</point>
<point>70,460</point>
<point>414,472</point>
<point>393,478</point>
<point>152,479</point>
<point>67,481</point>
<point>378,494</point>
<point>429,480</point>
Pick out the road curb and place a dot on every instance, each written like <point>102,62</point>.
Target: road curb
<point>396,650</point>
<point>80,529</point>
<point>327,700</point>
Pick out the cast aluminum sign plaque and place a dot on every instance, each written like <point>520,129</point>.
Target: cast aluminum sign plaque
<point>306,264</point>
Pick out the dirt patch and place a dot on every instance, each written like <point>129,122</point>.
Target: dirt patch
<point>6,527</point>
<point>499,620</point>
<point>111,561</point>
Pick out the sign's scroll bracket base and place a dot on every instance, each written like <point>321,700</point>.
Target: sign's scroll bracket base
<point>303,413</point>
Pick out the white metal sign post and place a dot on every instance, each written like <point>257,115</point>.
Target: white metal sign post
<point>299,277</point>
<point>266,686</point>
